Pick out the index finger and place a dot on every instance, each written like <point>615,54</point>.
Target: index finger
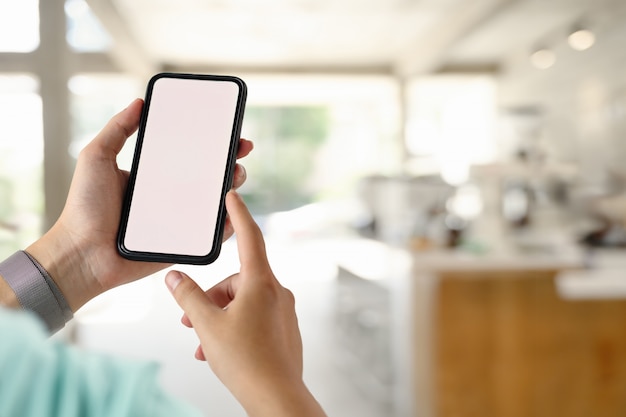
<point>250,243</point>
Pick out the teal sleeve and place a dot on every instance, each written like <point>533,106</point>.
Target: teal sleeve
<point>40,377</point>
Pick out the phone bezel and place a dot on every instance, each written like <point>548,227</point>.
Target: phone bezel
<point>226,184</point>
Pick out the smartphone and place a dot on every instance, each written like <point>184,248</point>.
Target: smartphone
<point>182,168</point>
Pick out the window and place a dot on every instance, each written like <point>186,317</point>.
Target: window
<point>19,25</point>
<point>84,31</point>
<point>317,137</point>
<point>21,163</point>
<point>450,125</point>
<point>94,100</point>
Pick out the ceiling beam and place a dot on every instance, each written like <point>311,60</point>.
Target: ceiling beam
<point>468,68</point>
<point>125,52</point>
<point>283,69</point>
<point>427,53</point>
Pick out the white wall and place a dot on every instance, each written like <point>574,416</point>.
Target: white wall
<point>581,99</point>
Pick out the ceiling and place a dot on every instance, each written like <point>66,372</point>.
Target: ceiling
<point>401,37</point>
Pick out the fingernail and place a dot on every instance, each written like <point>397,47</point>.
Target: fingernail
<point>133,102</point>
<point>172,279</point>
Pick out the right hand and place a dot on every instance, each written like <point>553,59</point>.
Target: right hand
<point>248,328</point>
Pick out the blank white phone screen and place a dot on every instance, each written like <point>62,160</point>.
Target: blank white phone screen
<point>179,179</point>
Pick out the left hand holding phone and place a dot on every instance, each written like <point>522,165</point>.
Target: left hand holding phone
<point>80,251</point>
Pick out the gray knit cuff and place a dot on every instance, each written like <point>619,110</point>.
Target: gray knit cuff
<point>35,289</point>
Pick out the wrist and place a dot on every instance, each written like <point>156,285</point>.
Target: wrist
<point>7,295</point>
<point>281,400</point>
<point>65,264</point>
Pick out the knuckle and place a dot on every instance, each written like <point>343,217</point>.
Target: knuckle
<point>85,153</point>
<point>185,290</point>
<point>291,299</point>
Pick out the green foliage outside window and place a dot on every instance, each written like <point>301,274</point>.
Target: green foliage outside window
<point>287,140</point>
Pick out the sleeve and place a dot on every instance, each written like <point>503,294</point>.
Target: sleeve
<point>40,377</point>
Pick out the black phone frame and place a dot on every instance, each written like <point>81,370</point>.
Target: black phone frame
<point>226,185</point>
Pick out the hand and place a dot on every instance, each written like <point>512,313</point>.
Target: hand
<point>248,328</point>
<point>80,250</point>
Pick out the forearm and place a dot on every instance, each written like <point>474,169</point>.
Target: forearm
<point>270,400</point>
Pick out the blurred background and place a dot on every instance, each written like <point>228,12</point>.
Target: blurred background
<point>441,184</point>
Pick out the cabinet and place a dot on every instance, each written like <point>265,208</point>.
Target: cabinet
<point>506,345</point>
<point>362,329</point>
<point>490,337</point>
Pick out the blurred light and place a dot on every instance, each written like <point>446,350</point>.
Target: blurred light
<point>543,58</point>
<point>83,85</point>
<point>455,171</point>
<point>581,39</point>
<point>19,84</point>
<point>451,121</point>
<point>76,9</point>
<point>467,202</point>
<point>19,26</point>
<point>84,31</point>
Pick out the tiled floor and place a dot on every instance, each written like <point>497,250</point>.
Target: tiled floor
<point>142,321</point>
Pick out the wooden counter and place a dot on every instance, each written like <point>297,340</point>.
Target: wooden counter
<point>505,344</point>
<point>492,337</point>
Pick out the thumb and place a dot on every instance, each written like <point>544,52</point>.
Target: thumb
<point>113,136</point>
<point>189,296</point>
